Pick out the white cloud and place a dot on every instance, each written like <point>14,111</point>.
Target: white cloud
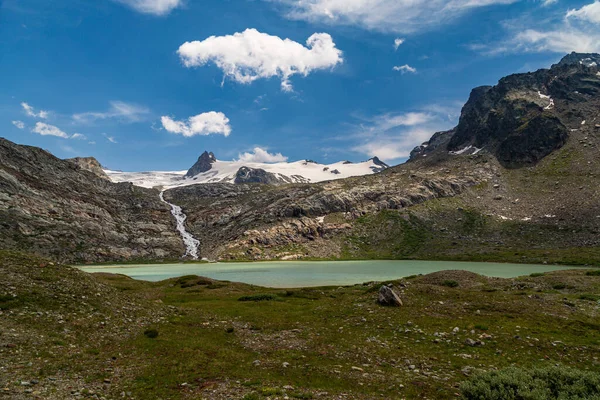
<point>397,43</point>
<point>405,69</point>
<point>154,7</point>
<point>78,136</point>
<point>548,2</point>
<point>30,111</point>
<point>394,148</point>
<point>576,30</point>
<point>49,130</point>
<point>120,110</point>
<point>251,55</point>
<point>589,13</point>
<point>405,16</point>
<point>392,136</point>
<point>109,138</point>
<point>19,124</point>
<point>260,155</point>
<point>202,124</point>
<point>563,40</point>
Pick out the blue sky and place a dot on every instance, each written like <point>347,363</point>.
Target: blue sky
<point>115,79</point>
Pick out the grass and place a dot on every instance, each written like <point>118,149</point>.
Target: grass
<point>311,340</point>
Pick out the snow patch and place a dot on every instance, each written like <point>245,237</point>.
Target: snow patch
<point>544,96</point>
<point>225,172</point>
<point>462,151</point>
<point>583,122</point>
<point>526,219</point>
<point>191,243</point>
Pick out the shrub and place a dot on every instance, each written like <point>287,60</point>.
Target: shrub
<point>589,297</point>
<point>559,286</point>
<point>151,333</point>
<point>450,283</point>
<point>593,273</point>
<point>533,384</point>
<point>536,274</point>
<point>258,297</point>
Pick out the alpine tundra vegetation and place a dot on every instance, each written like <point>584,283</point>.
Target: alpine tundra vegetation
<point>386,178</point>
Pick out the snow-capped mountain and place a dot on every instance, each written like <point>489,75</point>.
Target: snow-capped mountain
<point>210,170</point>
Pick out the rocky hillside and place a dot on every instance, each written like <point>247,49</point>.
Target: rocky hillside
<point>59,209</point>
<point>516,180</point>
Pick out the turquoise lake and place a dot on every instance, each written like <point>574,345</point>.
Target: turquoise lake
<point>291,274</point>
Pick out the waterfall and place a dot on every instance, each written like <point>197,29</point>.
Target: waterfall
<point>191,243</point>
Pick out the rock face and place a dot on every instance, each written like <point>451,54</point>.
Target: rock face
<point>524,118</point>
<point>255,175</point>
<point>89,164</point>
<point>388,297</point>
<point>54,208</point>
<point>204,163</point>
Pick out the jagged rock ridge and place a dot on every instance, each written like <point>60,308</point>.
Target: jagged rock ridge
<point>525,117</point>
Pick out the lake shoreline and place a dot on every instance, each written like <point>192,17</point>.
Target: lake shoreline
<point>299,274</point>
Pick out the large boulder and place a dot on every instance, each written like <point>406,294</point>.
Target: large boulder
<point>389,297</point>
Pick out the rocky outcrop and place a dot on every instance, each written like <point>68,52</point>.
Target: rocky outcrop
<point>525,117</point>
<point>89,164</point>
<point>256,175</point>
<point>54,208</point>
<point>204,164</point>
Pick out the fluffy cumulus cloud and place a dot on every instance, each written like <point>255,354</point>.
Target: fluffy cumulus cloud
<point>119,110</point>
<point>199,125</point>
<point>19,124</point>
<point>403,16</point>
<point>405,69</point>
<point>154,7</point>
<point>260,155</point>
<point>250,55</point>
<point>49,130</point>
<point>31,112</point>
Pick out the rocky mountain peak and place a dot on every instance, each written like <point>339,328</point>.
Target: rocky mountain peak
<point>204,163</point>
<point>587,59</point>
<point>525,117</point>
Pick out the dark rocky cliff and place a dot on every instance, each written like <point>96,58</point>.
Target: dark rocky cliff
<point>525,117</point>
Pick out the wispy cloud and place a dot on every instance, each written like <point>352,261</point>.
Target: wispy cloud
<point>405,69</point>
<point>49,130</point>
<point>574,30</point>
<point>78,136</point>
<point>153,7</point>
<point>19,124</point>
<point>30,111</point>
<point>402,16</point>
<point>110,138</point>
<point>392,136</point>
<point>397,43</point>
<point>119,110</point>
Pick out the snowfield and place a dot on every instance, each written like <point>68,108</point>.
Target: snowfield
<point>225,172</point>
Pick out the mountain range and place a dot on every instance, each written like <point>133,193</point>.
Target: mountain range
<point>210,170</point>
<point>516,180</point>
